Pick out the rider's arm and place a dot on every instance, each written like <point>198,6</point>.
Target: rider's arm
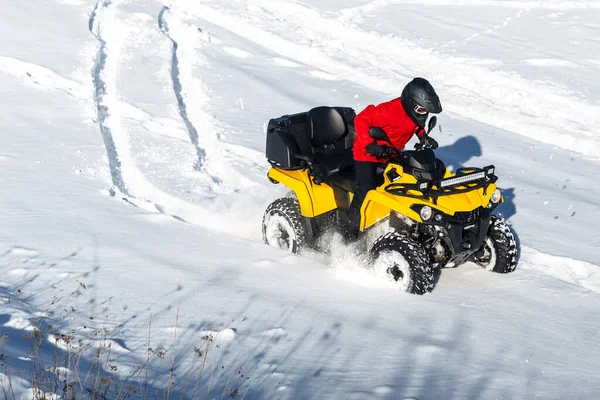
<point>403,133</point>
<point>363,122</point>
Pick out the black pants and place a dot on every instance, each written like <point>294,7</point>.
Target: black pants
<point>365,181</point>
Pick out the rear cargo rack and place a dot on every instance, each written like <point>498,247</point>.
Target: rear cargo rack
<point>465,180</point>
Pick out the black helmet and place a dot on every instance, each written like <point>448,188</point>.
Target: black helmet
<point>419,99</point>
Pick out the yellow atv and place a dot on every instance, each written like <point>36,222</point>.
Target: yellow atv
<point>421,215</point>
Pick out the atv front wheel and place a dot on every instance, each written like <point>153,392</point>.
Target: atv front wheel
<point>406,262</point>
<point>283,226</point>
<point>499,253</point>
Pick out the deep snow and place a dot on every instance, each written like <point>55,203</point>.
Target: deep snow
<point>132,158</point>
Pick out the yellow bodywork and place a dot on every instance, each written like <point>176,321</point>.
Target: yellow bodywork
<point>318,199</point>
<point>378,203</point>
<point>313,199</point>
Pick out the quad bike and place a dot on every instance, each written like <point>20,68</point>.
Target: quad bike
<point>421,215</point>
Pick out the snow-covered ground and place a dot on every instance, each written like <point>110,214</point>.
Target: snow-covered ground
<point>134,181</point>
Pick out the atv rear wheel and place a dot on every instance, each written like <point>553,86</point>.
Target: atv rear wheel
<point>500,249</point>
<point>283,225</point>
<point>406,262</point>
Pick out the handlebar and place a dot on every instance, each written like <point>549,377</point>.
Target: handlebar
<point>421,146</point>
<point>392,151</point>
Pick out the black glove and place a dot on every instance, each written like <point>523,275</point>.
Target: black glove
<point>429,142</point>
<point>375,150</point>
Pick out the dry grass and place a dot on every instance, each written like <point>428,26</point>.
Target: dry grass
<point>80,363</point>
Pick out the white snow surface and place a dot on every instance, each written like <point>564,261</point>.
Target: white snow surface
<point>134,182</point>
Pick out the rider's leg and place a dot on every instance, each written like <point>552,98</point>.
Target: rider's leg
<point>365,181</point>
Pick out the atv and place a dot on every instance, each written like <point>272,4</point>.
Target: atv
<point>421,217</point>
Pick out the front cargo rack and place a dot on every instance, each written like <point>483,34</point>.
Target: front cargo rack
<point>465,180</point>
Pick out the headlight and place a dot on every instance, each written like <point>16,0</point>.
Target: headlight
<point>496,196</point>
<point>426,213</point>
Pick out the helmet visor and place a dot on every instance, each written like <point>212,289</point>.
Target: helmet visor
<point>420,110</point>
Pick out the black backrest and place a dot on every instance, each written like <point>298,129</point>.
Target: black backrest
<point>327,126</point>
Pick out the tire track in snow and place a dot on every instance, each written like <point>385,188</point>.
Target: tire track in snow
<point>103,100</point>
<point>177,88</point>
<point>111,33</point>
<point>217,158</point>
<point>212,146</point>
<point>128,182</point>
<point>114,162</point>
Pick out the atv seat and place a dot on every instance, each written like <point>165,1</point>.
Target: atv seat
<point>331,141</point>
<point>320,139</point>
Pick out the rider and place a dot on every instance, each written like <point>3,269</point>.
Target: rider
<point>400,119</point>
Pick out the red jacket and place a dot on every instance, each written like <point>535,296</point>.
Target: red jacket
<point>389,116</point>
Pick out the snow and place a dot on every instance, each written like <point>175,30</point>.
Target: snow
<point>134,182</point>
